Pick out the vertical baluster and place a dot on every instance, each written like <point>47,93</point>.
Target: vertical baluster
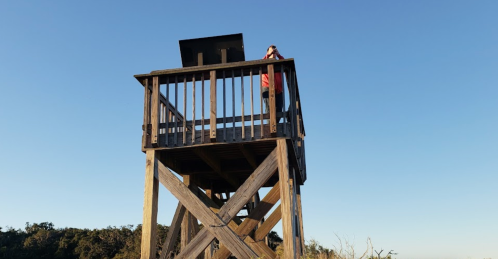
<point>193,109</point>
<point>294,104</point>
<point>184,137</point>
<point>202,113</point>
<point>261,100</point>
<point>272,100</point>
<point>156,110</point>
<point>252,104</point>
<point>168,110</point>
<point>213,105</point>
<point>147,100</point>
<point>233,104</point>
<point>161,120</point>
<point>284,110</point>
<point>242,98</point>
<point>224,109</point>
<point>176,112</point>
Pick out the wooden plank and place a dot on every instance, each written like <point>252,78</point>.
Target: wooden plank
<point>286,200</point>
<point>261,100</point>
<point>185,111</point>
<point>242,105</point>
<point>155,111</point>
<point>220,120</point>
<point>224,109</point>
<point>193,108</point>
<point>260,249</point>
<point>176,112</point>
<point>220,137</point>
<point>174,229</point>
<point>283,96</point>
<point>206,68</point>
<point>202,112</point>
<point>273,108</point>
<point>233,206</point>
<point>300,218</point>
<point>212,222</point>
<point>212,128</point>
<point>146,113</point>
<point>168,110</point>
<point>149,225</point>
<point>252,104</point>
<point>253,219</point>
<point>269,224</point>
<point>233,102</point>
<point>187,227</point>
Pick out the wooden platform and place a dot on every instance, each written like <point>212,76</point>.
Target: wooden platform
<point>213,164</point>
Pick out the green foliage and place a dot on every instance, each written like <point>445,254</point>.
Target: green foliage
<point>39,241</point>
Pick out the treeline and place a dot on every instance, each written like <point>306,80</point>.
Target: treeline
<point>44,241</point>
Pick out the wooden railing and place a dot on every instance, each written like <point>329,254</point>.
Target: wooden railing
<point>220,104</point>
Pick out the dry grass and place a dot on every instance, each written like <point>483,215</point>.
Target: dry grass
<point>344,250</point>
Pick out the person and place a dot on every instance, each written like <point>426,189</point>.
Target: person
<point>272,52</point>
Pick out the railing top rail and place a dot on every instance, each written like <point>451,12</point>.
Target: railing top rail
<point>207,68</point>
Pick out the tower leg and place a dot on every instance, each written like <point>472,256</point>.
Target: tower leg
<point>149,226</point>
<point>286,200</point>
<point>300,217</point>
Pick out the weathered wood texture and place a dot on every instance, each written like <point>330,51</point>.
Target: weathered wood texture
<point>174,229</point>
<point>149,226</point>
<point>216,224</point>
<point>253,220</point>
<point>286,201</point>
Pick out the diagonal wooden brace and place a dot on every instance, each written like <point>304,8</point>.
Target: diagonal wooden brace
<point>252,221</point>
<point>216,223</point>
<point>173,231</point>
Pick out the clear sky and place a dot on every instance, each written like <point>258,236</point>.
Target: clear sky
<point>400,102</point>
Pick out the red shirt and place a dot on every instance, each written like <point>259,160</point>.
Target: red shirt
<point>277,77</point>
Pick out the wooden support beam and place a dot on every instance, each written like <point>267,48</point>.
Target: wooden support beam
<point>271,99</point>
<point>253,220</point>
<point>212,117</point>
<point>147,100</point>
<point>269,224</point>
<point>188,222</point>
<point>286,200</point>
<point>149,225</point>
<point>260,249</point>
<point>300,217</point>
<point>173,231</point>
<point>155,111</point>
<point>230,209</point>
<point>249,155</point>
<point>213,223</point>
<point>210,159</point>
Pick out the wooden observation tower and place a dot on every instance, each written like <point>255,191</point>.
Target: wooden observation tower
<point>208,140</point>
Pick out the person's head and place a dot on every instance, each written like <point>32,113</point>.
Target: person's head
<point>271,49</point>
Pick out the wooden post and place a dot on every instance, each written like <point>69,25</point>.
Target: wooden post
<point>187,227</point>
<point>149,226</point>
<point>300,217</point>
<point>146,113</point>
<point>212,118</point>
<point>155,113</point>
<point>286,200</point>
<point>273,108</point>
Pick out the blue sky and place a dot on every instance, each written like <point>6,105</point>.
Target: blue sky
<point>399,101</point>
